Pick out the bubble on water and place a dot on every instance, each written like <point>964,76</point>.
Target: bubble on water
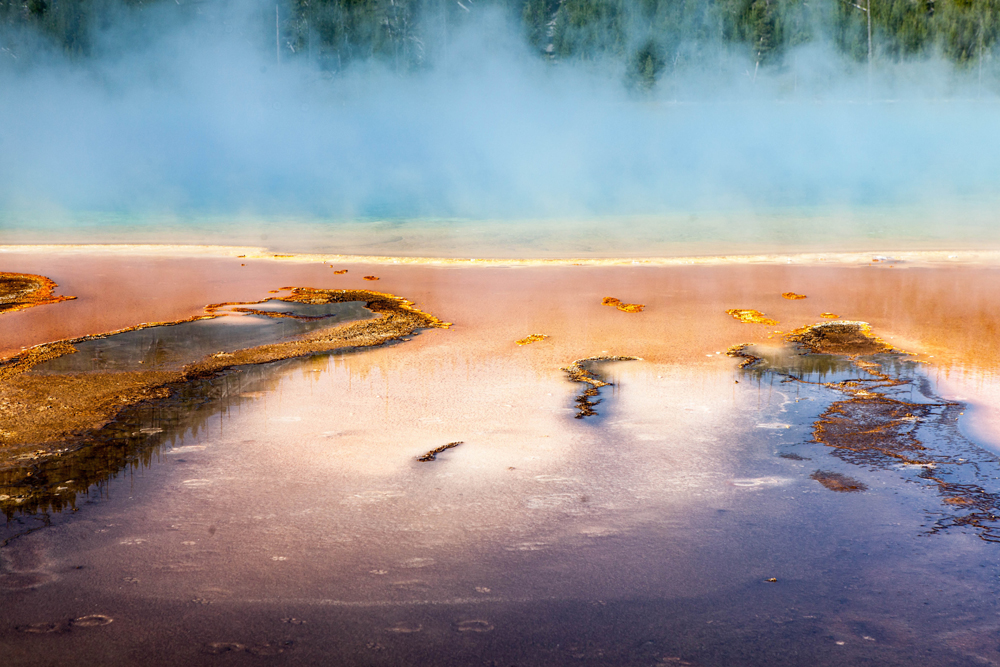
<point>417,562</point>
<point>150,430</point>
<point>194,483</point>
<point>131,541</point>
<point>291,620</point>
<point>774,425</point>
<point>91,621</point>
<point>474,625</point>
<point>528,546</point>
<point>405,628</point>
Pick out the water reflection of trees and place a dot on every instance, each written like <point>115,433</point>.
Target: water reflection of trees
<point>134,440</point>
<point>890,418</point>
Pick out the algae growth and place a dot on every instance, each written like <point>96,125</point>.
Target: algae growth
<point>24,290</point>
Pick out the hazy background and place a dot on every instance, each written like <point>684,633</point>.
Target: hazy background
<point>219,121</point>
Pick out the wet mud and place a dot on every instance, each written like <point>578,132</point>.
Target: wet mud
<point>887,417</point>
<point>582,371</point>
<point>24,290</point>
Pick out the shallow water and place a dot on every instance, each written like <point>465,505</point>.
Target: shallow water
<point>172,346</point>
<point>277,521</point>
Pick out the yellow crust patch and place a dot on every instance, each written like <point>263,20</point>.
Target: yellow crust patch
<point>829,316</point>
<point>750,316</point>
<point>792,295</point>
<point>624,307</point>
<point>533,338</point>
<point>371,277</point>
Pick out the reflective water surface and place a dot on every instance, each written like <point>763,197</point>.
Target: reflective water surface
<point>280,514</point>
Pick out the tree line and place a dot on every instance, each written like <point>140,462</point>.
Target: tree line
<point>648,38</point>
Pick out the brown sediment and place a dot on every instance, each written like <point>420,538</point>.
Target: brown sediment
<point>432,455</point>
<point>340,272</point>
<point>740,351</point>
<point>371,278</point>
<point>578,372</point>
<point>838,482</point>
<point>846,338</point>
<point>532,338</point>
<point>750,316</point>
<point>43,410</point>
<point>24,290</point>
<point>793,296</point>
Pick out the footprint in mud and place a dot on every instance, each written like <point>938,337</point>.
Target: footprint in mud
<point>474,625</point>
<point>91,621</point>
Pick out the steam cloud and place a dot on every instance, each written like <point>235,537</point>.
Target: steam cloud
<point>201,119</point>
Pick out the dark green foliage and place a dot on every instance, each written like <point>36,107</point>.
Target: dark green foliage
<point>646,39</point>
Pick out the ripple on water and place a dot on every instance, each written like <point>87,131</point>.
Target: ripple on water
<point>41,628</point>
<point>21,580</point>
<point>474,625</point>
<point>405,628</point>
<point>755,482</point>
<point>91,621</point>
